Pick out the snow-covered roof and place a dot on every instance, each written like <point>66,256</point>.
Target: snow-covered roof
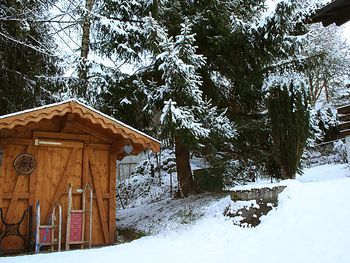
<point>337,12</point>
<point>22,118</point>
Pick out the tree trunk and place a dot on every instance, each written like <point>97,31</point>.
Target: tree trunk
<point>85,42</point>
<point>326,89</point>
<point>184,173</point>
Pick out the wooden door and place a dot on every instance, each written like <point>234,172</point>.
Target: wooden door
<point>77,164</point>
<point>58,166</point>
<point>99,175</point>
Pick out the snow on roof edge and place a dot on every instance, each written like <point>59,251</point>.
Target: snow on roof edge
<point>35,109</point>
<point>84,105</point>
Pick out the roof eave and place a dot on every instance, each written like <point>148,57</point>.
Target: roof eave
<point>22,118</point>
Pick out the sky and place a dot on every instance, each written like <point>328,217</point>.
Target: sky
<point>346,30</point>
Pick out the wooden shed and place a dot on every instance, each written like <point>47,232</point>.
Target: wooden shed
<point>70,143</point>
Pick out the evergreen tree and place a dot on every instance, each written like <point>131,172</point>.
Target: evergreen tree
<point>242,44</point>
<point>170,75</point>
<point>288,111</point>
<point>242,41</point>
<point>120,38</point>
<point>26,56</point>
<point>186,117</point>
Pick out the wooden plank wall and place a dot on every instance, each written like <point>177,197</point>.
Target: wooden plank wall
<point>15,191</point>
<point>56,167</point>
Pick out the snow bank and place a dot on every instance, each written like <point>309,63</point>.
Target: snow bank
<point>169,214</point>
<point>325,172</point>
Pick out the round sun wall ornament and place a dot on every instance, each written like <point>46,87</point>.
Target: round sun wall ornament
<point>24,163</point>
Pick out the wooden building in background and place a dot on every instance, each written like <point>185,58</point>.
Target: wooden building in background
<point>338,12</point>
<point>69,143</point>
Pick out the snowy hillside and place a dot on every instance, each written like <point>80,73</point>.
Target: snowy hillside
<point>311,224</point>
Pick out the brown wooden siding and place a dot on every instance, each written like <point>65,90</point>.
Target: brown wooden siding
<point>76,162</point>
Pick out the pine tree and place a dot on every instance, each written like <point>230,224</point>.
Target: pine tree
<point>241,41</point>
<point>170,75</point>
<point>26,55</point>
<point>288,111</point>
<point>242,44</point>
<point>185,116</point>
<point>123,34</point>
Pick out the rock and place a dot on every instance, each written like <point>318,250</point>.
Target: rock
<point>249,215</point>
<point>266,194</point>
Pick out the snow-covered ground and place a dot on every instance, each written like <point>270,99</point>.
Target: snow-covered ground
<point>168,214</point>
<point>311,224</point>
